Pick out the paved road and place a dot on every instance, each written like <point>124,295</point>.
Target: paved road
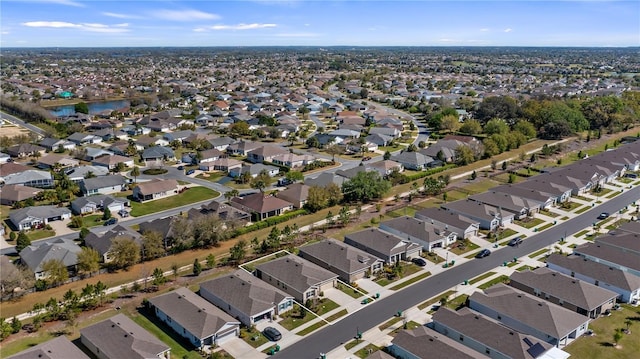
<point>332,336</point>
<point>20,122</point>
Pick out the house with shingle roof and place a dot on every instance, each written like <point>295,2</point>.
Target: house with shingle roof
<point>261,206</point>
<point>425,233</point>
<point>292,160</point>
<point>65,250</point>
<point>384,245</point>
<point>241,148</point>
<point>52,144</point>
<point>155,189</point>
<point>529,314</point>
<point>56,348</point>
<point>423,342</point>
<point>295,194</point>
<point>518,206</point>
<point>103,185</point>
<point>221,164</point>
<point>91,204</point>
<point>348,262</point>
<point>221,210</point>
<point>24,150</point>
<point>112,161</point>
<point>265,153</point>
<point>156,155</point>
<point>627,285</point>
<point>296,276</point>
<point>102,242</point>
<point>571,293</point>
<point>120,337</point>
<point>246,297</point>
<point>613,256</point>
<point>193,318</point>
<point>385,167</point>
<point>489,217</point>
<point>56,161</point>
<point>254,170</point>
<point>412,160</point>
<point>33,178</point>
<point>10,194</point>
<point>37,216</point>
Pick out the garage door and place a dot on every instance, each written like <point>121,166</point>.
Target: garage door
<point>222,337</point>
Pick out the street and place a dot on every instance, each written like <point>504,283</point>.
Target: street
<point>22,123</point>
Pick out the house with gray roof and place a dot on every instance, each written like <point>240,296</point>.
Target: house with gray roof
<point>545,199</point>
<point>102,242</point>
<point>254,170</point>
<point>37,216</point>
<point>56,348</point>
<point>32,178</point>
<point>488,337</point>
<point>529,314</point>
<point>156,189</point>
<point>571,293</point>
<point>91,153</point>
<point>261,206</point>
<point>386,131</point>
<point>91,204</point>
<point>103,185</point>
<point>246,297</point>
<point>24,150</point>
<point>627,285</point>
<point>52,144</point>
<point>489,217</point>
<point>623,239</point>
<point>61,249</point>
<point>379,139</point>
<point>348,262</point>
<point>412,160</point>
<point>558,192</point>
<point>296,276</point>
<point>520,207</point>
<point>241,148</point>
<point>193,318</point>
<point>325,179</point>
<point>384,245</point>
<point>120,337</point>
<point>78,174</point>
<point>156,155</point>
<point>385,167</point>
<point>462,226</point>
<point>265,153</point>
<point>428,235</point>
<point>622,259</point>
<point>423,342</point>
<point>221,143</point>
<point>80,138</point>
<point>221,210</point>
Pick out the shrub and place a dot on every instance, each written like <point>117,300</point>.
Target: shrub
<point>270,222</point>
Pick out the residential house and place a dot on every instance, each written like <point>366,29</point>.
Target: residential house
<point>324,179</point>
<point>221,164</point>
<point>120,337</point>
<point>56,162</point>
<point>295,194</point>
<point>379,139</point>
<point>383,245</point>
<point>241,148</point>
<point>24,150</point>
<point>545,199</point>
<point>102,242</point>
<point>489,217</point>
<point>91,204</point>
<point>296,276</point>
<point>542,184</point>
<point>386,131</point>
<point>64,250</point>
<point>103,185</point>
<point>246,297</point>
<point>157,155</point>
<point>349,263</point>
<point>179,136</point>
<point>627,285</point>
<point>292,160</point>
<point>81,139</point>
<point>345,134</point>
<point>4,158</point>
<point>155,189</point>
<point>112,162</point>
<point>12,193</point>
<point>221,143</point>
<point>53,144</point>
<point>520,207</point>
<point>428,235</point>
<point>78,174</point>
<point>412,160</point>
<point>148,141</point>
<point>529,314</point>
<point>210,155</point>
<point>261,206</point>
<point>91,153</point>
<point>490,338</point>
<point>56,348</point>
<point>32,178</point>
<point>37,216</point>
<point>265,153</point>
<point>444,150</point>
<point>164,226</point>
<point>423,342</point>
<point>611,256</point>
<point>623,238</point>
<point>254,170</point>
<point>571,293</point>
<point>385,167</point>
<point>201,323</point>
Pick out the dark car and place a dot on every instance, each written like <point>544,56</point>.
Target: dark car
<point>419,262</point>
<point>603,215</point>
<point>272,334</point>
<point>367,158</point>
<point>180,168</point>
<point>483,253</point>
<point>190,172</point>
<point>284,182</point>
<point>111,221</point>
<point>515,242</point>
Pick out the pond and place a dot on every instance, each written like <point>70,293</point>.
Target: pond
<point>94,107</point>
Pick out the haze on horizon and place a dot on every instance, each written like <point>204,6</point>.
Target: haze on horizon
<point>140,23</point>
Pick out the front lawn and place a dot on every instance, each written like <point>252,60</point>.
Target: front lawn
<point>211,176</point>
<point>538,253</point>
<point>293,318</point>
<point>36,234</point>
<point>435,299</point>
<point>491,283</point>
<point>166,335</point>
<point>191,195</point>
<point>352,292</point>
<point>481,277</point>
<point>462,247</point>
<point>253,338</point>
<point>529,222</point>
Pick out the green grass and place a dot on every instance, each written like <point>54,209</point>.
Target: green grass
<point>614,194</point>
<point>469,247</point>
<point>500,279</point>
<point>541,228</point>
<point>569,206</point>
<point>192,195</point>
<point>249,338</point>
<point>311,328</point>
<point>364,352</point>
<point>352,343</point>
<point>529,223</point>
<point>177,349</point>
<point>211,176</point>
<point>599,346</point>
<point>292,320</point>
<point>582,210</point>
<point>457,302</point>
<point>581,233</point>
<point>92,220</point>
<point>549,213</point>
<point>538,253</point>
<point>435,299</point>
<point>389,323</point>
<point>481,277</point>
<point>524,268</point>
<point>411,281</point>
<point>337,315</point>
<point>433,257</point>
<point>325,306</point>
<point>36,234</point>
<point>353,293</point>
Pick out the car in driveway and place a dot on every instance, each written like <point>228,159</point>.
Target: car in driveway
<point>419,262</point>
<point>483,253</point>
<point>603,215</point>
<point>190,172</point>
<point>272,334</point>
<point>515,242</point>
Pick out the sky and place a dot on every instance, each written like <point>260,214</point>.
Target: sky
<point>133,23</point>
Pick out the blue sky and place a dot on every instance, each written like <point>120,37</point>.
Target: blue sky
<point>103,23</point>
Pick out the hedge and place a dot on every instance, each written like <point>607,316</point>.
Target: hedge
<point>270,222</point>
<point>430,172</point>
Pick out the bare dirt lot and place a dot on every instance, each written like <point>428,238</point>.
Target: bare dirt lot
<point>12,131</point>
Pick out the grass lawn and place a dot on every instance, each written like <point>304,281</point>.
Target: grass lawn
<point>312,328</point>
<point>457,302</point>
<point>461,250</point>
<point>581,233</point>
<point>481,277</point>
<point>354,293</point>
<point>390,322</point>
<point>407,270</point>
<point>549,213</point>
<point>524,268</point>
<point>569,206</point>
<point>435,299</point>
<point>352,343</point>
<point>541,228</point>
<point>433,257</point>
<point>500,279</point>
<point>255,338</point>
<point>92,220</point>
<point>582,210</point>
<point>411,281</point>
<point>530,223</point>
<point>337,315</point>
<point>166,335</point>
<point>409,326</point>
<point>325,305</point>
<point>40,233</point>
<point>538,253</point>
<point>192,195</point>
<point>614,194</point>
<point>292,320</point>
<point>364,352</point>
<point>210,176</point>
<point>599,346</point>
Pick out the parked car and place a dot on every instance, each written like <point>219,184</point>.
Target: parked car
<point>419,262</point>
<point>123,213</point>
<point>284,182</point>
<point>483,253</point>
<point>190,172</point>
<point>631,175</point>
<point>603,215</point>
<point>111,221</point>
<point>180,168</point>
<point>272,334</point>
<point>516,241</point>
<point>367,158</point>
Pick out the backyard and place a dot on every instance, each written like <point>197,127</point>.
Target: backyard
<point>191,195</point>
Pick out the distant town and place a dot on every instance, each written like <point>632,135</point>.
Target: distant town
<point>336,202</point>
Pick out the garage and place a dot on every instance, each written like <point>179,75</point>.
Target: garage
<point>227,335</point>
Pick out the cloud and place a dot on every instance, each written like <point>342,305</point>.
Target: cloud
<point>92,27</point>
<point>58,2</point>
<point>484,29</point>
<point>4,33</point>
<point>235,27</point>
<point>508,29</point>
<point>184,15</point>
<point>121,16</point>
<point>297,34</point>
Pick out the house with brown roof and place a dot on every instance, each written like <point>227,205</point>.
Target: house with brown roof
<point>155,189</point>
<point>607,254</point>
<point>120,337</point>
<point>296,276</point>
<point>385,167</point>
<point>56,161</point>
<point>12,193</point>
<point>225,164</point>
<point>261,206</point>
<point>265,153</point>
<point>295,194</point>
<point>292,160</point>
<point>194,318</point>
<point>221,210</point>
<point>571,293</point>
<point>24,150</point>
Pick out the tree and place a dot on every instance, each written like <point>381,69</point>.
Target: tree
<point>617,335</point>
<point>526,128</point>
<point>135,172</point>
<point>5,329</point>
<point>294,176</point>
<point>76,222</point>
<point>474,175</point>
<point>432,187</point>
<point>240,128</point>
<point>317,198</point>
<point>197,267</point>
<point>158,277</point>
<point>312,142</point>
<point>106,213</point>
<point>209,231</point>
<point>344,216</point>
<point>504,165</point>
<point>335,193</point>
<point>365,186</point>
<point>88,261</point>
<point>490,147</point>
<point>84,232</point>
<point>261,181</point>
<point>387,155</point>
<point>14,277</point>
<point>182,234</point>
<point>211,261</point>
<point>471,127</point>
<point>175,270</point>
<point>152,245</point>
<point>56,271</point>
<point>450,123</point>
<point>230,194</point>
<point>496,125</point>
<point>464,155</point>
<point>81,107</point>
<point>334,150</point>
<point>125,252</point>
<point>412,148</point>
<point>497,107</point>
<point>22,242</point>
<point>238,251</point>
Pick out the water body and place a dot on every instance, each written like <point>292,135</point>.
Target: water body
<point>94,107</point>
